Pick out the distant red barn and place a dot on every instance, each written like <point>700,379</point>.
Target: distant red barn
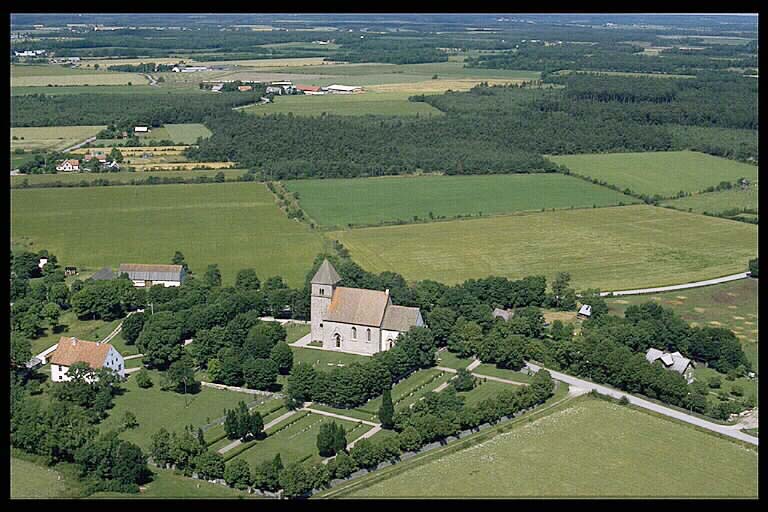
<point>310,88</point>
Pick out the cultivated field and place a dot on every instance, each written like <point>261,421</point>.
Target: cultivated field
<point>338,202</point>
<point>136,88</point>
<point>717,202</point>
<point>120,177</point>
<point>608,248</point>
<point>732,305</point>
<point>94,78</point>
<point>51,137</point>
<point>235,225</point>
<point>378,103</point>
<point>663,173</point>
<point>589,448</point>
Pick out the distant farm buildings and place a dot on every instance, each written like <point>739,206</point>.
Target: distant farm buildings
<point>343,89</point>
<point>69,166</point>
<point>146,276</point>
<point>141,129</point>
<point>674,361</point>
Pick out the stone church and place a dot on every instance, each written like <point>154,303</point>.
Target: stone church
<point>356,320</point>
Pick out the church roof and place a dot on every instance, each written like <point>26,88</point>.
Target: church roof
<point>400,318</point>
<point>326,274</point>
<point>357,306</point>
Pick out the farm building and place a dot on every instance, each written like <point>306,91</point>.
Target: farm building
<point>70,271</point>
<point>674,361</point>
<point>244,88</point>
<point>308,88</point>
<point>69,165</point>
<point>96,355</point>
<point>356,320</point>
<point>141,129</point>
<point>42,263</point>
<point>145,276</point>
<point>105,274</point>
<point>100,157</point>
<point>217,87</point>
<point>343,89</point>
<point>504,314</point>
<point>585,311</point>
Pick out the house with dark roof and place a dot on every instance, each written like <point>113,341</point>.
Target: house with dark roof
<point>356,320</point>
<point>96,355</point>
<point>146,276</point>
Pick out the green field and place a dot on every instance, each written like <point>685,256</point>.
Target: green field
<point>454,70</point>
<point>338,202</point>
<point>138,87</point>
<point>493,371</point>
<point>51,137</point>
<point>155,408</point>
<point>325,360</point>
<point>236,225</point>
<point>294,332</point>
<point>589,448</point>
<point>378,103</point>
<point>608,248</point>
<point>483,391</point>
<point>120,177</point>
<point>70,325</point>
<point>717,202</point>
<point>296,442</point>
<point>30,480</point>
<point>732,305</point>
<point>178,133</point>
<point>93,78</point>
<point>662,173</point>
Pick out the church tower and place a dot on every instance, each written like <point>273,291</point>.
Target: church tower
<point>323,285</point>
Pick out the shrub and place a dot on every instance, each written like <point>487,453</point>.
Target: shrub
<point>143,380</point>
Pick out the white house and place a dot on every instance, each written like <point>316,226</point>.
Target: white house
<point>42,263</point>
<point>585,311</point>
<point>141,129</point>
<point>96,355</point>
<point>145,276</point>
<point>69,165</point>
<point>356,320</point>
<point>674,361</point>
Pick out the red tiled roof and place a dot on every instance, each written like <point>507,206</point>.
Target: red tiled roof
<point>72,350</point>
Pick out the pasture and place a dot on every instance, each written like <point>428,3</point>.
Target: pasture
<point>662,173</point>
<point>155,408</point>
<point>587,448</point>
<point>54,138</point>
<point>178,133</point>
<point>731,305</point>
<point>93,78</point>
<point>367,103</point>
<point>236,225</point>
<point>30,480</point>
<point>608,248</point>
<point>70,325</point>
<point>338,202</point>
<point>717,202</point>
<point>136,88</point>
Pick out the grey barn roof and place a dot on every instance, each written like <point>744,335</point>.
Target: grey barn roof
<point>326,274</point>
<point>139,272</point>
<point>674,361</point>
<point>501,313</point>
<point>105,274</point>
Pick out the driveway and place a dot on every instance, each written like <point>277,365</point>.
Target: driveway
<point>697,284</point>
<point>726,430</point>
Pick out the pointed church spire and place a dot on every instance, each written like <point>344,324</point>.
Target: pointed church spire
<point>326,274</point>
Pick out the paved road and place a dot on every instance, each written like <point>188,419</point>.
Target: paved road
<point>339,416</point>
<point>235,444</point>
<point>86,141</point>
<point>726,430</point>
<point>239,389</point>
<point>697,284</point>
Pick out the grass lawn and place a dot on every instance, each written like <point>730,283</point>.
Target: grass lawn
<point>716,202</point>
<point>294,443</point>
<point>236,225</point>
<point>409,389</point>
<point>491,370</point>
<point>732,305</point>
<point>119,177</point>
<point>450,360</point>
<point>338,202</point>
<point>295,332</point>
<point>377,103</point>
<point>325,360</point>
<point>588,448</point>
<point>30,480</point>
<point>51,137</point>
<point>167,484</point>
<point>179,133</point>
<point>483,391</point>
<point>155,408</point>
<point>663,173</point>
<point>748,386</point>
<point>607,248</point>
<point>70,325</point>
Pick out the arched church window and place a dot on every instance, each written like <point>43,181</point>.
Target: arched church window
<point>354,333</point>
<point>369,334</point>
<point>337,337</point>
<point>322,291</point>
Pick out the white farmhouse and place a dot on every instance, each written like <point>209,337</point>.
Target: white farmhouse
<point>146,276</point>
<point>69,165</point>
<point>356,320</point>
<point>141,129</point>
<point>585,311</point>
<point>96,355</point>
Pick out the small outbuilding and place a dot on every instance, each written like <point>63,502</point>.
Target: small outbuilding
<point>585,311</point>
<point>504,314</point>
<point>141,129</point>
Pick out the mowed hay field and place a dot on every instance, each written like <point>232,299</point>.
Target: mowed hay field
<point>663,173</point>
<point>731,305</point>
<point>590,448</point>
<point>119,177</point>
<point>609,248</point>
<point>94,78</point>
<point>51,137</point>
<point>236,225</point>
<point>178,133</point>
<point>338,202</point>
<point>358,104</point>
